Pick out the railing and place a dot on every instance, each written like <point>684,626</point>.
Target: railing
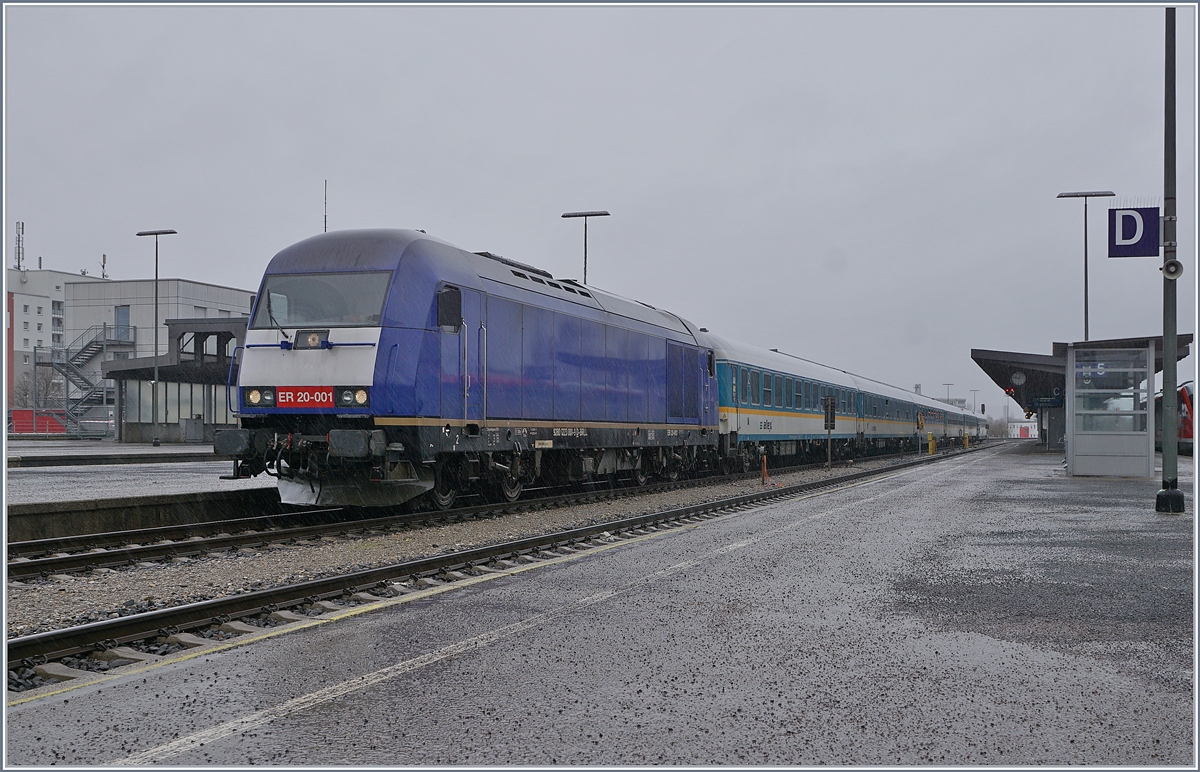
<point>96,336</point>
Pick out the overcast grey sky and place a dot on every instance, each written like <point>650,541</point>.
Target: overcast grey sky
<point>869,187</point>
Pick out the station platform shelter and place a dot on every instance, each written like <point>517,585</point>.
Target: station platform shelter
<point>193,398</point>
<point>1037,382</point>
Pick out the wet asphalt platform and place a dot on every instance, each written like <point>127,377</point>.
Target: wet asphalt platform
<point>982,610</point>
<point>71,470</point>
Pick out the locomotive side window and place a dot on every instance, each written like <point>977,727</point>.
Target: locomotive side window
<point>754,386</point>
<point>449,308</point>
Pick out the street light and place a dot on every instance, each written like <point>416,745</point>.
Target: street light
<point>154,385</point>
<point>973,393</point>
<point>1085,195</point>
<point>947,385</point>
<point>585,215</point>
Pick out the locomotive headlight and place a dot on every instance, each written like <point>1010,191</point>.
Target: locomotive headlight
<point>255,396</point>
<point>347,397</point>
<point>360,396</point>
<point>268,396</point>
<point>314,340</point>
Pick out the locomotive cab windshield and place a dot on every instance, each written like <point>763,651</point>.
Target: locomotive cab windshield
<point>322,299</point>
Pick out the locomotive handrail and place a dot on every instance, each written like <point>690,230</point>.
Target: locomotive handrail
<point>228,381</point>
<point>287,345</point>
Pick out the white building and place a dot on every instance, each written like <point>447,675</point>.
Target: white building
<point>1024,430</point>
<point>75,322</point>
<point>35,317</point>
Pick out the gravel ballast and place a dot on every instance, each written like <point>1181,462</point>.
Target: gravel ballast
<point>55,604</point>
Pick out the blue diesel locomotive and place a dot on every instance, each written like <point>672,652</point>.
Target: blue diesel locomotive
<point>384,365</point>
<point>380,365</point>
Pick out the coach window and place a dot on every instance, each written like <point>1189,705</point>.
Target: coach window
<point>766,389</point>
<point>733,382</point>
<point>755,383</point>
<point>787,391</point>
<point>778,391</point>
<point>745,386</point>
<point>799,403</point>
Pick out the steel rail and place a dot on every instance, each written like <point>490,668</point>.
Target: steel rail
<point>60,643</point>
<point>29,559</point>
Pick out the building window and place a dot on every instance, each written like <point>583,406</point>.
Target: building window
<point>26,358</point>
<point>39,326</point>
<point>25,308</point>
<point>56,307</point>
<point>39,310</point>
<point>39,341</point>
<point>26,343</point>
<point>24,325</point>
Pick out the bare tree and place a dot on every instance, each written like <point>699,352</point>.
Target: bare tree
<point>49,390</point>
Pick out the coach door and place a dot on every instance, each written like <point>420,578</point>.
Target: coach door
<point>462,338</point>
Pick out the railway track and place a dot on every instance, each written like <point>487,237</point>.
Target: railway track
<point>74,554</point>
<point>387,581</point>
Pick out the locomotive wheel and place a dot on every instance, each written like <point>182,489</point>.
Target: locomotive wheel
<point>444,490</point>
<point>510,488</point>
<point>639,476</point>
<point>671,473</point>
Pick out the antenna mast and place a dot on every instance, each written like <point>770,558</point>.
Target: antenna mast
<point>327,206</point>
<point>19,252</point>
<point>103,268</point>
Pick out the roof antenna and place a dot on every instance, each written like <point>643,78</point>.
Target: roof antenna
<point>103,270</point>
<point>19,252</point>
<point>327,206</point>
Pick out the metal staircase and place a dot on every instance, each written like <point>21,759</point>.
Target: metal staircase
<point>84,390</point>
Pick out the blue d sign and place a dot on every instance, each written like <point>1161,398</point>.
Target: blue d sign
<point>1133,232</point>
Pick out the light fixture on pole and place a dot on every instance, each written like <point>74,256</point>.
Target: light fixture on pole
<point>973,393</point>
<point>154,385</point>
<point>585,215</point>
<point>1085,195</point>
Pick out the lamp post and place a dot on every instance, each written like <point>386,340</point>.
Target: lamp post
<point>973,393</point>
<point>1085,195</point>
<point>585,215</point>
<point>947,385</point>
<point>154,385</point>
<point>1169,499</point>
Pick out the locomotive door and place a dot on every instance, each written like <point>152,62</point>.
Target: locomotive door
<point>462,353</point>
